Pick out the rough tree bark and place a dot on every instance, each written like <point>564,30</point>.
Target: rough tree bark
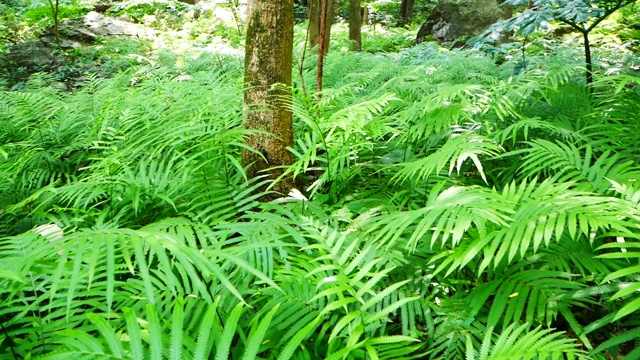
<point>355,24</point>
<point>268,61</point>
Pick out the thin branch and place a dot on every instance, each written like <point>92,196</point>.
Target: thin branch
<point>574,25</point>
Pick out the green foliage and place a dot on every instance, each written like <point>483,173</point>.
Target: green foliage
<point>157,13</point>
<point>387,40</point>
<point>230,34</point>
<point>576,13</point>
<point>43,13</point>
<point>384,12</point>
<point>447,209</point>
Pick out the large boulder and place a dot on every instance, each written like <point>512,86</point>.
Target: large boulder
<point>453,19</point>
<point>27,58</point>
<point>89,28</point>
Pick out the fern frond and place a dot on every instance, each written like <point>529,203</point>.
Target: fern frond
<point>448,214</point>
<point>520,342</point>
<point>566,163</point>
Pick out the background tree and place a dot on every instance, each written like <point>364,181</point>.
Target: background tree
<point>355,24</point>
<point>268,62</point>
<point>323,44</point>
<point>583,16</point>
<point>55,9</point>
<point>314,22</point>
<point>316,27</point>
<point>406,12</point>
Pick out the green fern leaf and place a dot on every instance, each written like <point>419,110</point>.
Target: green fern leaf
<point>155,333</point>
<point>133,330</point>
<point>230,324</point>
<point>205,336</point>
<point>177,323</point>
<point>256,337</point>
<point>108,334</point>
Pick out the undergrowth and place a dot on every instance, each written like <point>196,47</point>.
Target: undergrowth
<point>447,209</point>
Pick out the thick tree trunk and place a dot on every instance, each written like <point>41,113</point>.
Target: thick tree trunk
<point>406,12</point>
<point>268,61</point>
<point>355,25</point>
<point>314,23</point>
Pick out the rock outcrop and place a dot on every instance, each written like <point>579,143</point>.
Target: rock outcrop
<point>93,26</point>
<point>454,19</point>
<point>29,57</point>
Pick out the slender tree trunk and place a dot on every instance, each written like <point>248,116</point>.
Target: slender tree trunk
<point>587,58</point>
<point>326,20</point>
<point>406,12</point>
<point>55,6</point>
<point>320,26</point>
<point>235,11</point>
<point>355,25</point>
<point>314,23</point>
<point>268,61</point>
<point>365,15</point>
<point>323,43</point>
<point>328,23</point>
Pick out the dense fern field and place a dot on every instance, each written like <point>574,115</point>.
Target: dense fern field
<point>448,209</point>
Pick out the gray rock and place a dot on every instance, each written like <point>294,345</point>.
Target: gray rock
<point>91,27</point>
<point>27,58</point>
<point>34,55</point>
<point>453,19</point>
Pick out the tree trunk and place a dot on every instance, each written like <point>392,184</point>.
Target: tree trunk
<point>327,24</point>
<point>406,12</point>
<point>322,43</point>
<point>268,61</point>
<point>587,59</point>
<point>55,7</point>
<point>250,5</point>
<point>355,25</point>
<point>314,23</point>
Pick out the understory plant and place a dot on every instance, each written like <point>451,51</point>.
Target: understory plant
<point>446,209</point>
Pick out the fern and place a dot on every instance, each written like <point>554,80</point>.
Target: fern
<point>538,343</point>
<point>447,208</point>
